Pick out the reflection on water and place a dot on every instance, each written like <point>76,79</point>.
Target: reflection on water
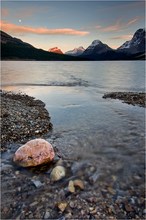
<point>122,75</point>
<point>85,124</point>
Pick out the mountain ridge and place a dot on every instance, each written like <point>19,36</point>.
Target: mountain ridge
<point>14,48</point>
<point>133,49</point>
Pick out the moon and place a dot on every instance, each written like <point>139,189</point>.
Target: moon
<point>19,20</point>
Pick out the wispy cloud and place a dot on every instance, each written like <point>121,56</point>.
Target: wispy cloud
<point>118,25</point>
<point>133,21</point>
<point>18,29</point>
<point>122,37</point>
<point>115,27</point>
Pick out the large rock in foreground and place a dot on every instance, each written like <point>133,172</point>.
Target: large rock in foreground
<point>33,153</point>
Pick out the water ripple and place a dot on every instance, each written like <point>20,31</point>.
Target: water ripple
<point>66,84</point>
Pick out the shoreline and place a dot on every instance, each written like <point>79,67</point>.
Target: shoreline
<point>29,193</point>
<point>22,117</point>
<point>131,98</point>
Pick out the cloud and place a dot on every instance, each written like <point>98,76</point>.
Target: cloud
<point>4,12</point>
<point>17,29</point>
<point>122,37</point>
<point>132,21</point>
<point>118,26</point>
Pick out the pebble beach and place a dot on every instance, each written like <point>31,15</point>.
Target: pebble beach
<point>84,192</point>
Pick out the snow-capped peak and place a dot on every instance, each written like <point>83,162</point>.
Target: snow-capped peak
<point>95,43</point>
<point>76,51</point>
<point>138,40</point>
<point>81,48</point>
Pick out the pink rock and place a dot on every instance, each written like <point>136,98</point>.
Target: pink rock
<point>33,153</point>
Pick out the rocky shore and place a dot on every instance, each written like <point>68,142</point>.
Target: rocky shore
<point>22,117</point>
<point>88,189</point>
<point>128,97</point>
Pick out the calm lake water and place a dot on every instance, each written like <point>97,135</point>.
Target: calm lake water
<point>86,125</point>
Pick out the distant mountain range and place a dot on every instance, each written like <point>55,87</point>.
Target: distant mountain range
<point>132,49</point>
<point>15,49</point>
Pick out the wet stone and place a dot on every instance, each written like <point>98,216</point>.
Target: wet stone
<point>47,214</point>
<point>34,153</point>
<point>62,206</point>
<point>57,173</point>
<point>129,97</point>
<point>37,183</point>
<point>71,187</point>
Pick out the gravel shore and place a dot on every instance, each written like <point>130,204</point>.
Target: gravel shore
<point>29,193</point>
<point>22,117</point>
<point>128,97</point>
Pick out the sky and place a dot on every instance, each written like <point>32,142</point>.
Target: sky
<point>70,24</point>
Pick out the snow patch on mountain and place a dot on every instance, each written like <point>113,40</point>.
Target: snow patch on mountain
<point>76,51</point>
<point>137,41</point>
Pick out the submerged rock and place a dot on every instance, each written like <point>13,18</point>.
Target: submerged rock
<point>33,153</point>
<point>37,183</point>
<point>57,173</point>
<point>62,206</point>
<point>78,183</point>
<point>71,187</point>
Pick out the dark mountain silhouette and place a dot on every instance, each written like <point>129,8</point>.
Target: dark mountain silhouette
<point>15,49</point>
<point>136,44</point>
<point>130,50</point>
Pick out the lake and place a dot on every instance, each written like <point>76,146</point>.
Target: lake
<point>85,125</point>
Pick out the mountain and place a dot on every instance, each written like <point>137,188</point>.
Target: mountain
<point>76,51</point>
<point>15,49</point>
<point>7,39</point>
<point>136,44</point>
<point>130,50</point>
<point>98,51</point>
<point>55,50</point>
<point>97,47</point>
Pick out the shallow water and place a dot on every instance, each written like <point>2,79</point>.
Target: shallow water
<point>86,126</point>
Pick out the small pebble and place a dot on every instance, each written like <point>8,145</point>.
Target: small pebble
<point>71,187</point>
<point>57,173</point>
<point>62,206</point>
<point>19,189</point>
<point>37,183</point>
<point>33,204</point>
<point>47,215</point>
<point>71,204</point>
<point>79,183</point>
